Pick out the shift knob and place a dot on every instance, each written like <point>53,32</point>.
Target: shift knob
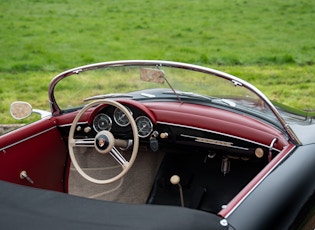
<point>175,179</point>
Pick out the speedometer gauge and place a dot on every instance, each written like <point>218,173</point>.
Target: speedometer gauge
<point>144,126</point>
<point>102,122</point>
<point>121,118</point>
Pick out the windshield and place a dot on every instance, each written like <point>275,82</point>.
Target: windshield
<point>158,81</point>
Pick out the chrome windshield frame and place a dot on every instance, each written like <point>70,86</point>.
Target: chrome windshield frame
<point>237,81</point>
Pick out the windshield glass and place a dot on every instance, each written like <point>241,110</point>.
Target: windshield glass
<point>184,84</point>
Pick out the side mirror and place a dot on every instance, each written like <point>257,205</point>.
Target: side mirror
<point>20,110</point>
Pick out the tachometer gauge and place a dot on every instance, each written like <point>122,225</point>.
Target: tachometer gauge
<point>102,122</point>
<point>144,126</point>
<point>121,118</point>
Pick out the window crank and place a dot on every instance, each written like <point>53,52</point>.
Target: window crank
<point>23,175</point>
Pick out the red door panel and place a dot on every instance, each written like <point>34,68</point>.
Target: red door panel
<point>39,150</point>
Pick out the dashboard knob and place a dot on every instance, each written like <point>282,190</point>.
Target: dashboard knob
<point>164,135</point>
<point>87,129</point>
<point>259,152</point>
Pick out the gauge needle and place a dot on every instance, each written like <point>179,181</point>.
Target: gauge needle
<point>143,127</point>
<point>122,117</point>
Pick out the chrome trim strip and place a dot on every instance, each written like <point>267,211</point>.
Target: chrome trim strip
<point>214,132</point>
<point>214,142</point>
<point>26,139</point>
<point>69,124</point>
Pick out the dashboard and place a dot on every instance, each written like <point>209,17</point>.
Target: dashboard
<point>183,127</point>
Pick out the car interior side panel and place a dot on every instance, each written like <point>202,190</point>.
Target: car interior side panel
<point>30,161</point>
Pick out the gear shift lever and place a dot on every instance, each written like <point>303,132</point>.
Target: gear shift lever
<point>175,181</point>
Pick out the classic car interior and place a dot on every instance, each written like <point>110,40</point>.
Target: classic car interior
<point>176,164</point>
<point>152,146</point>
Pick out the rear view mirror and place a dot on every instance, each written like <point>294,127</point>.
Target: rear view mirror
<point>20,110</point>
<point>152,75</point>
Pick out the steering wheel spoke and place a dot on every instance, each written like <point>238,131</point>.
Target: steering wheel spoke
<point>119,158</point>
<point>88,142</point>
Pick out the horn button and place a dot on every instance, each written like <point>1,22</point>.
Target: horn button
<point>104,142</point>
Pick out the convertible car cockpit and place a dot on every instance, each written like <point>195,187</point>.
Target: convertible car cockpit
<point>153,133</point>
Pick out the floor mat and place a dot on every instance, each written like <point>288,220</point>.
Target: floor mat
<point>134,187</point>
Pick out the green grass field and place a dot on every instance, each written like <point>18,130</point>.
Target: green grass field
<point>269,43</point>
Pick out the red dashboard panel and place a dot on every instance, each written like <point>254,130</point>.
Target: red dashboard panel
<point>217,120</point>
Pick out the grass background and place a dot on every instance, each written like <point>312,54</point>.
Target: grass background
<point>269,43</point>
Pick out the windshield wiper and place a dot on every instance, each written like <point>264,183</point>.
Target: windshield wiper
<point>110,95</point>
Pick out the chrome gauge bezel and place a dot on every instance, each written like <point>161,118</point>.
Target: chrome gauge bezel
<point>120,117</point>
<point>107,125</point>
<point>144,126</point>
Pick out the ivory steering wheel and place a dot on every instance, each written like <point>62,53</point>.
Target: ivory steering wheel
<point>104,143</point>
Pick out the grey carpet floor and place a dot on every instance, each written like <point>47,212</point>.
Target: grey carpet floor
<point>134,187</point>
